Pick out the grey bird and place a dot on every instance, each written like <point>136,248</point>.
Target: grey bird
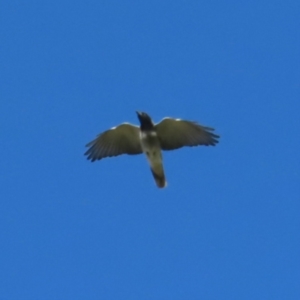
<point>150,139</point>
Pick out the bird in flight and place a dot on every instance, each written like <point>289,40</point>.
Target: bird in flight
<point>150,139</point>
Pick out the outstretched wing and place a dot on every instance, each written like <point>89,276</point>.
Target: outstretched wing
<point>123,139</point>
<point>176,133</point>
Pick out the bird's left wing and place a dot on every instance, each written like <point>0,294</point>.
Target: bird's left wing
<point>123,139</point>
<point>176,133</point>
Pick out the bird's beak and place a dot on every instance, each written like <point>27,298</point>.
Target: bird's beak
<point>138,113</point>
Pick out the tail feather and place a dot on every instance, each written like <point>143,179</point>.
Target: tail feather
<point>160,179</point>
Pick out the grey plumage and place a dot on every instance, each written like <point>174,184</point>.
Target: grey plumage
<point>150,138</point>
<point>123,139</point>
<point>176,133</point>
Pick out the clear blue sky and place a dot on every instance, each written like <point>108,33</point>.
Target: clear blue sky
<point>227,226</point>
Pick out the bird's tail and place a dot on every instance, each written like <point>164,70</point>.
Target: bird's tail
<point>159,176</point>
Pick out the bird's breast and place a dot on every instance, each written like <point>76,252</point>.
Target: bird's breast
<point>149,139</point>
<point>151,147</point>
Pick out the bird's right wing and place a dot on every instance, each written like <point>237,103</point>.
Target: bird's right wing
<point>176,133</point>
<point>123,139</point>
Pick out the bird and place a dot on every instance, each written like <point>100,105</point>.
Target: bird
<point>150,139</point>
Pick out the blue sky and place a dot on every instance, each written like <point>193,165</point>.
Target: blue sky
<point>226,227</point>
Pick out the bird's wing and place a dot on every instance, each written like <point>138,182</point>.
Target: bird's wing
<point>176,133</point>
<point>123,139</point>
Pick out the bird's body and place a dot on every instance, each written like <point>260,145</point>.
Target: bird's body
<point>150,139</point>
<point>151,148</point>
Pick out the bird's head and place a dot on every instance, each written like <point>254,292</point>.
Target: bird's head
<point>145,120</point>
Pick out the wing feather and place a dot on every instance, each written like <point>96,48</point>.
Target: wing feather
<point>176,133</point>
<point>123,139</point>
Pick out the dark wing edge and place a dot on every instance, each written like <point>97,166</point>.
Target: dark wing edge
<point>176,133</point>
<point>123,139</point>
